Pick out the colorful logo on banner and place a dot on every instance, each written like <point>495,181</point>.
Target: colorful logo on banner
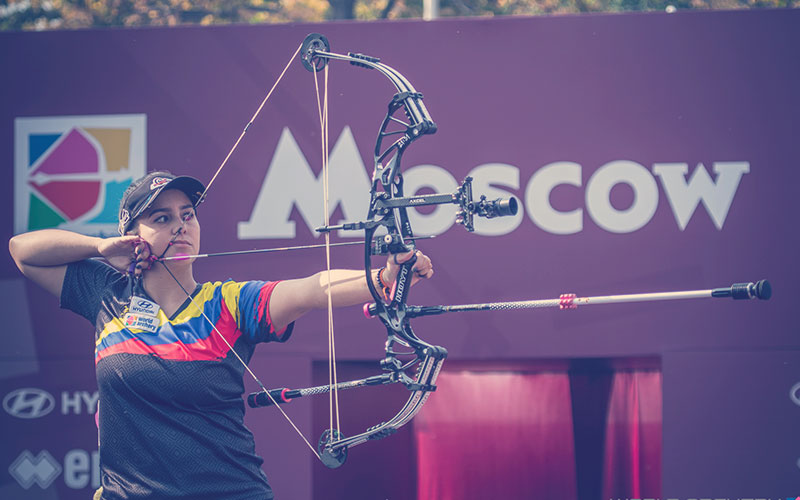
<point>71,171</point>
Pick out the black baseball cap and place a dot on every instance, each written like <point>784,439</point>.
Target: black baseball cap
<point>144,192</point>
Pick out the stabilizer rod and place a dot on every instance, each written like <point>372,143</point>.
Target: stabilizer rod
<point>738,291</point>
<point>285,395</point>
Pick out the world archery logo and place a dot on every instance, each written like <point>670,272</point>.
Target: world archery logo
<point>71,171</point>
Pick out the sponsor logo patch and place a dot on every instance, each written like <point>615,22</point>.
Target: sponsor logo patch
<point>141,322</point>
<point>142,315</point>
<point>144,306</point>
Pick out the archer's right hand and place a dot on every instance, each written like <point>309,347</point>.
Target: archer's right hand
<point>127,254</point>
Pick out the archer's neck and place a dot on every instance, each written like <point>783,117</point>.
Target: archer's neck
<point>164,289</point>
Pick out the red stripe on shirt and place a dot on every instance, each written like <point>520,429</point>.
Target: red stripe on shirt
<point>263,307</point>
<point>207,349</point>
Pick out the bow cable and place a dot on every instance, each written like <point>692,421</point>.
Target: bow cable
<point>181,229</point>
<point>202,196</point>
<point>261,385</point>
<point>246,127</point>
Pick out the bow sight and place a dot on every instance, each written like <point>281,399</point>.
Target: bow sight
<point>467,208</point>
<point>482,208</point>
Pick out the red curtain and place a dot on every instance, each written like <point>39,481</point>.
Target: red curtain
<point>632,464</point>
<point>512,436</point>
<point>496,435</point>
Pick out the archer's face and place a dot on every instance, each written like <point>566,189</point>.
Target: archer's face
<point>159,223</point>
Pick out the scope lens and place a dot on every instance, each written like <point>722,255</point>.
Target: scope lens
<point>505,206</point>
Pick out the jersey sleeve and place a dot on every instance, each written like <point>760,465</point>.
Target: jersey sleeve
<point>84,284</point>
<point>254,319</point>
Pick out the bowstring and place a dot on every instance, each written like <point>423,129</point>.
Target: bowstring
<point>333,389</point>
<point>185,219</point>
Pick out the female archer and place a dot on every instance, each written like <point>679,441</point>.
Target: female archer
<point>171,420</point>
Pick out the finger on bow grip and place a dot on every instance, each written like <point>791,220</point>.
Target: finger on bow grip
<point>402,283</point>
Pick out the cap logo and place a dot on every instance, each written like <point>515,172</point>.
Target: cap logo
<point>158,182</point>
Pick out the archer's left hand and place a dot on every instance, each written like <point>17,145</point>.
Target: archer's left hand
<point>423,267</point>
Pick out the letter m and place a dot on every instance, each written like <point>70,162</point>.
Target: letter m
<point>291,183</point>
<point>717,196</point>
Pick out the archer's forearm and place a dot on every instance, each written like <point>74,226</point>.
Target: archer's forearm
<point>52,247</point>
<point>347,287</point>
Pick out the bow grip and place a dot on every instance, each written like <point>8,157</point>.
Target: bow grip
<point>402,283</point>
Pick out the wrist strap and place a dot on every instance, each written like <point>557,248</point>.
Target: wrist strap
<point>382,285</point>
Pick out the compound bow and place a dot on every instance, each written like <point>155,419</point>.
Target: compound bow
<point>388,210</point>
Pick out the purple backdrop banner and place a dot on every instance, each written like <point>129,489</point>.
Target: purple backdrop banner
<point>649,153</point>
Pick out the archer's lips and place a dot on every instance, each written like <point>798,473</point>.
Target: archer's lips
<point>181,243</point>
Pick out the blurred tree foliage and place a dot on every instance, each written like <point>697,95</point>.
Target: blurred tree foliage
<point>76,14</point>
